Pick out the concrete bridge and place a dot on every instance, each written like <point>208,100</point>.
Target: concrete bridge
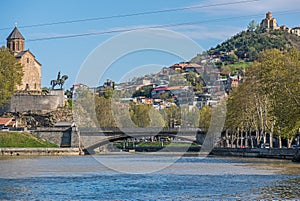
<point>92,138</point>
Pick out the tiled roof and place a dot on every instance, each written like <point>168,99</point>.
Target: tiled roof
<point>20,54</point>
<point>5,121</point>
<point>15,34</point>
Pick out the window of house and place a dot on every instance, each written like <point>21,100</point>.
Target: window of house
<point>28,60</point>
<point>34,85</point>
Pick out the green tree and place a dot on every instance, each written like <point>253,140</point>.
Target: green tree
<point>104,112</point>
<point>251,26</point>
<point>205,117</point>
<point>140,115</point>
<point>10,75</point>
<point>156,118</point>
<point>267,102</point>
<point>173,116</point>
<point>278,72</point>
<point>108,93</point>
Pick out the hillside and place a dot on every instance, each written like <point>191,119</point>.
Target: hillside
<point>246,45</point>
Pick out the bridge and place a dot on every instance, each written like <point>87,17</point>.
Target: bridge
<point>91,138</point>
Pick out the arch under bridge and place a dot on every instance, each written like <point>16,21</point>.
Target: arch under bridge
<point>91,138</point>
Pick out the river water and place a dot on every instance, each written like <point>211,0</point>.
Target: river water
<point>148,177</point>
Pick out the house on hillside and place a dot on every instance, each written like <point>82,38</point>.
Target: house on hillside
<point>187,67</point>
<point>296,31</point>
<point>7,122</point>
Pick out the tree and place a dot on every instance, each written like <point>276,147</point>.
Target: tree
<point>205,117</point>
<point>279,74</point>
<point>10,75</point>
<point>267,102</point>
<point>104,112</point>
<point>173,116</point>
<point>251,26</point>
<point>140,115</point>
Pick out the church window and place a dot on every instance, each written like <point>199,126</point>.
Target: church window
<point>34,85</point>
<point>28,60</point>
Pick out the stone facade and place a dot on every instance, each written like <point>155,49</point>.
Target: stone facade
<point>269,23</point>
<point>31,80</point>
<point>24,103</point>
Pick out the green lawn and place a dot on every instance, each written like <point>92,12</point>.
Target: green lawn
<point>22,140</point>
<point>238,65</point>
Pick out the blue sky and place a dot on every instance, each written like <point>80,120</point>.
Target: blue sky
<point>68,54</point>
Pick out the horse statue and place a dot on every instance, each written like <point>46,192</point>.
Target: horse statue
<point>59,81</point>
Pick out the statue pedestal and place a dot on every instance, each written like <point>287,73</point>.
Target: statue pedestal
<point>60,94</point>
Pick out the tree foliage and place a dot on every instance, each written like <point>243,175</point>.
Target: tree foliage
<point>10,75</point>
<point>267,103</point>
<point>248,44</point>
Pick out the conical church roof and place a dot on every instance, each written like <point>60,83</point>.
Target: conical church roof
<point>15,34</point>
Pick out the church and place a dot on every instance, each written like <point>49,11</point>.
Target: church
<point>269,23</point>
<point>31,81</point>
<point>28,95</point>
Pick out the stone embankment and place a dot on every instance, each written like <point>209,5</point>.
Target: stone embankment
<point>256,152</point>
<point>39,151</point>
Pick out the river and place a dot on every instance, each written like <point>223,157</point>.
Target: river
<point>147,177</point>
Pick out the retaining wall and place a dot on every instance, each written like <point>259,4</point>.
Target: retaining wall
<point>25,102</point>
<point>39,151</point>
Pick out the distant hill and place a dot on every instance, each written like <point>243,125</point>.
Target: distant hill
<point>246,45</point>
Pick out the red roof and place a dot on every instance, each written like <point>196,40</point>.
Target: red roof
<point>160,89</point>
<point>5,121</point>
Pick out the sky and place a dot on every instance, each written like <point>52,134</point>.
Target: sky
<point>213,22</point>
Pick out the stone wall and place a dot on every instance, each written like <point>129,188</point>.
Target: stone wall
<point>59,93</point>
<point>39,151</point>
<point>32,72</point>
<point>61,136</point>
<point>23,103</point>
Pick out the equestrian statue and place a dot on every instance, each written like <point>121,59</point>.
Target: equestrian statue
<point>59,81</point>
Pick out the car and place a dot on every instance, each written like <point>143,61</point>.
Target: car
<point>266,146</point>
<point>294,146</point>
<point>5,128</point>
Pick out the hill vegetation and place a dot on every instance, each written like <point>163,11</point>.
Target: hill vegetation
<point>247,45</point>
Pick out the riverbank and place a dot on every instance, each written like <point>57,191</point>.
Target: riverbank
<point>255,152</point>
<point>274,153</point>
<point>176,151</point>
<point>39,151</point>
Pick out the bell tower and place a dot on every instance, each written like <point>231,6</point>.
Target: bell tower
<point>15,41</point>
